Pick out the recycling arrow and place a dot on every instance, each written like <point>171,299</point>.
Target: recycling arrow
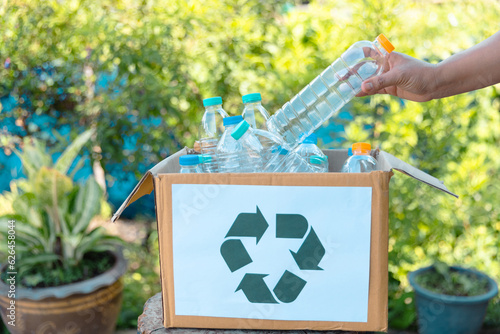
<point>288,226</point>
<point>291,226</point>
<point>255,289</point>
<point>249,225</point>
<point>310,253</point>
<point>235,254</point>
<point>288,287</point>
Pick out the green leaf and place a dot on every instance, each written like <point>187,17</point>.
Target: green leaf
<point>51,186</point>
<point>33,156</point>
<point>87,204</point>
<point>32,280</point>
<point>36,259</point>
<point>70,153</point>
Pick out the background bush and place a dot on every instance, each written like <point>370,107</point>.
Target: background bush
<point>137,71</point>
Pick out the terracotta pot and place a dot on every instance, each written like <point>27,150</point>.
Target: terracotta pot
<point>90,306</point>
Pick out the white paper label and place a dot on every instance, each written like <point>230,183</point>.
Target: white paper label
<point>272,252</point>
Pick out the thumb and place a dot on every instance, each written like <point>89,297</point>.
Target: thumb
<point>373,85</point>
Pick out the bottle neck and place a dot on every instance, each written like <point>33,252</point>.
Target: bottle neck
<point>361,152</point>
<point>190,167</point>
<point>214,108</point>
<point>245,135</point>
<point>229,128</point>
<point>380,48</point>
<point>253,104</point>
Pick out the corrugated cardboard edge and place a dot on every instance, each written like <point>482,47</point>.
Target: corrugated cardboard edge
<point>145,185</point>
<point>378,289</point>
<point>392,162</point>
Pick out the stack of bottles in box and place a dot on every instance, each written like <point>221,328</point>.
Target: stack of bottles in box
<point>285,143</point>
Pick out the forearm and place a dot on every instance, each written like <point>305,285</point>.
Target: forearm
<point>474,68</point>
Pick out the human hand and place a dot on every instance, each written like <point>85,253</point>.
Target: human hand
<point>405,77</point>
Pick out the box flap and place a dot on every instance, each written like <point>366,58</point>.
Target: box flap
<point>145,185</point>
<point>387,161</point>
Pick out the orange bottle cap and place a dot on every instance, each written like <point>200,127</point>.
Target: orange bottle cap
<point>385,43</point>
<point>361,148</point>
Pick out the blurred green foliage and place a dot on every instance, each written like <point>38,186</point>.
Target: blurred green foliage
<point>142,280</point>
<point>165,58</point>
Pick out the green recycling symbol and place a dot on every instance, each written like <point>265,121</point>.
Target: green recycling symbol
<point>254,225</point>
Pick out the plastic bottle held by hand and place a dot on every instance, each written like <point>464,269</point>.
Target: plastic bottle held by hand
<point>229,149</point>
<point>210,131</point>
<point>250,160</point>
<point>323,97</point>
<point>308,149</point>
<point>253,112</point>
<point>361,161</point>
<point>189,164</point>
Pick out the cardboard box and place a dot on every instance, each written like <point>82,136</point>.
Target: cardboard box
<point>274,251</point>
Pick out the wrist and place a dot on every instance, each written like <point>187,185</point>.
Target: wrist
<point>435,81</point>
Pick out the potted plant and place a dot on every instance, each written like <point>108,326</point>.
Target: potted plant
<point>59,276</point>
<point>451,299</point>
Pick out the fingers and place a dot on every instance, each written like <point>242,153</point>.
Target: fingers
<point>378,83</point>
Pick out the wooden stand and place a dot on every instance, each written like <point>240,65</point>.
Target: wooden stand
<point>151,322</point>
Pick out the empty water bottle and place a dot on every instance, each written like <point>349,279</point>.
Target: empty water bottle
<point>344,166</point>
<point>249,157</point>
<point>291,162</point>
<point>319,163</point>
<point>308,149</point>
<point>323,97</point>
<point>272,145</point>
<point>229,149</point>
<point>361,161</point>
<point>210,131</point>
<point>189,164</point>
<point>253,112</point>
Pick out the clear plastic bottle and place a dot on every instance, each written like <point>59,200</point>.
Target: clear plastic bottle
<point>319,163</point>
<point>253,112</point>
<point>308,149</point>
<point>323,97</point>
<point>229,149</point>
<point>361,161</point>
<point>210,131</point>
<point>291,162</point>
<point>272,145</point>
<point>249,156</point>
<point>344,166</point>
<point>189,164</point>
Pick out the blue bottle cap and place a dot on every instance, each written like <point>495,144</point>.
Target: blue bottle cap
<point>231,120</point>
<point>240,129</point>
<point>189,160</point>
<point>311,139</point>
<point>212,101</point>
<point>254,97</point>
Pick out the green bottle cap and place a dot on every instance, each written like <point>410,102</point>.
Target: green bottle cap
<point>240,130</point>
<point>249,98</point>
<point>212,101</point>
<point>318,160</point>
<point>204,158</point>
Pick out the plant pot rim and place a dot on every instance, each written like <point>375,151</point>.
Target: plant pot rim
<point>492,292</point>
<point>107,278</point>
